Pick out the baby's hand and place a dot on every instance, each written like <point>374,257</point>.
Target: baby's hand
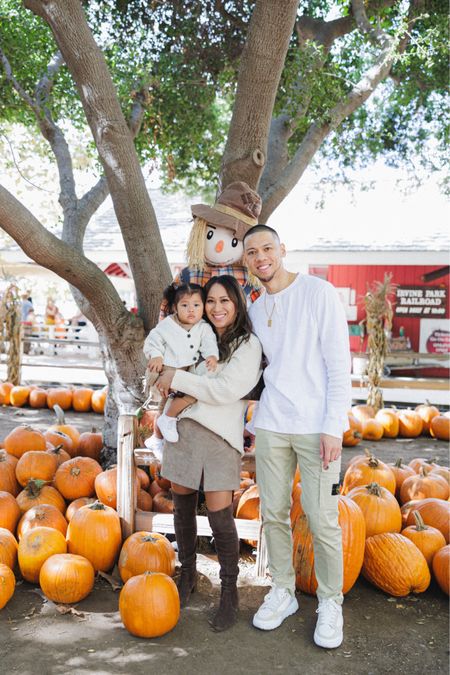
<point>155,364</point>
<point>211,363</point>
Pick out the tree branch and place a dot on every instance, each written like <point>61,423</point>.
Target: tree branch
<point>47,81</point>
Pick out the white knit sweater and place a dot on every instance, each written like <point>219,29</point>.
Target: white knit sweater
<point>219,406</point>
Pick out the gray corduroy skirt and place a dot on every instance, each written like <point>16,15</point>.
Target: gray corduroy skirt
<point>201,458</point>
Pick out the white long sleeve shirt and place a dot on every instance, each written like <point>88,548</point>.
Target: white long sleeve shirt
<point>307,379</point>
<point>178,346</point>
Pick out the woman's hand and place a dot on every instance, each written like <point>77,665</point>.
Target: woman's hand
<point>164,382</point>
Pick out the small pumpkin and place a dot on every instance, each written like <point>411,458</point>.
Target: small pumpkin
<point>61,396</point>
<point>379,507</point>
<point>105,487</point>
<point>400,471</point>
<point>5,393</point>
<point>9,511</point>
<point>372,430</point>
<point>410,424</point>
<point>38,398</point>
<point>24,438</point>
<point>66,578</point>
<point>149,605</point>
<point>76,477</point>
<point>98,400</point>
<point>353,435</point>
<point>363,412</point>
<point>144,500</point>
<point>427,412</point>
<point>37,492</point>
<point>36,464</point>
<point>248,507</point>
<point>435,512</point>
<point>423,485</point>
<point>388,419</point>
<point>68,429</point>
<point>90,444</point>
<point>7,584</point>
<point>60,439</point>
<point>59,454</point>
<point>144,478</point>
<point>440,427</point>
<point>163,502</point>
<point>43,515</point>
<point>441,568</point>
<point>35,547</point>
<point>146,552</point>
<point>8,480</point>
<point>394,564</point>
<point>427,539</point>
<point>81,399</point>
<point>77,504</point>
<point>8,548</point>
<point>93,524</point>
<point>428,464</point>
<point>18,396</point>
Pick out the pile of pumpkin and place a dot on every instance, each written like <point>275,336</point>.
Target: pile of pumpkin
<point>59,526</point>
<point>368,424</point>
<point>395,522</point>
<point>80,399</point>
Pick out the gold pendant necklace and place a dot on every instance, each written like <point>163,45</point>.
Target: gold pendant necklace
<point>269,316</point>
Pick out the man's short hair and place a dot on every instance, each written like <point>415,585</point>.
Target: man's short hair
<point>261,228</point>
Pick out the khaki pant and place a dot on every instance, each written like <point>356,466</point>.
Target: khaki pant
<point>277,456</point>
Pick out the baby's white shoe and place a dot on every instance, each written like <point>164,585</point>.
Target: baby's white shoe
<point>168,427</point>
<point>156,445</point>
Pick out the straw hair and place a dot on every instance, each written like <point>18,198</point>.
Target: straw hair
<point>195,251</point>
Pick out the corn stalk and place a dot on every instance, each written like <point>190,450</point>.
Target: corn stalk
<point>10,323</point>
<point>378,321</point>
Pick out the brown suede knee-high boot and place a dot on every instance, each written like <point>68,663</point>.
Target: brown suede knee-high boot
<point>227,548</point>
<point>185,523</point>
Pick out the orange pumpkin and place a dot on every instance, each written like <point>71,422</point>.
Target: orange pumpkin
<point>66,578</point>
<point>427,464</point>
<point>400,471</point>
<point>8,480</point>
<point>296,504</point>
<point>59,454</point>
<point>163,502</point>
<point>394,564</point>
<point>35,547</point>
<point>5,393</point>
<point>8,548</point>
<point>37,492</point>
<point>353,435</point>
<point>435,512</point>
<point>368,470</point>
<point>24,438</point>
<point>441,568</point>
<point>90,444</point>
<point>144,478</point>
<point>9,511</point>
<point>389,420</point>
<point>410,424</point>
<point>146,552</point>
<point>105,487</point>
<point>76,477</point>
<point>36,464</point>
<point>442,471</point>
<point>149,605</point>
<point>154,489</point>
<point>38,398</point>
<point>7,585</point>
<point>98,400</point>
<point>77,504</point>
<point>427,539</point>
<point>59,438</point>
<point>43,515</point>
<point>353,529</point>
<point>427,412</point>
<point>440,427</point>
<point>379,507</point>
<point>61,396</point>
<point>68,429</point>
<point>423,485</point>
<point>248,507</point>
<point>363,412</point>
<point>18,396</point>
<point>93,524</point>
<point>81,401</point>
<point>372,430</point>
<point>144,500</point>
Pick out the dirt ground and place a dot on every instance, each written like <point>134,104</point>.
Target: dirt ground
<point>382,634</point>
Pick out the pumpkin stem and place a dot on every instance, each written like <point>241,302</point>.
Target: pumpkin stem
<point>34,486</point>
<point>97,506</point>
<point>59,412</point>
<point>94,430</point>
<point>422,473</point>
<point>374,489</point>
<point>357,434</point>
<point>57,449</point>
<point>367,453</point>
<point>373,462</point>
<point>3,456</point>
<point>420,525</point>
<point>398,463</point>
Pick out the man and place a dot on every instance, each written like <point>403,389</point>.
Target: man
<point>300,419</point>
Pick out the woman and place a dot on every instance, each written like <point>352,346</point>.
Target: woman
<point>211,442</point>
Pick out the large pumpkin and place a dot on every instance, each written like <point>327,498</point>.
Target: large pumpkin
<point>66,578</point>
<point>296,503</point>
<point>43,515</point>
<point>149,605</point>
<point>81,401</point>
<point>146,552</point>
<point>440,427</point>
<point>388,419</point>
<point>422,486</point>
<point>9,511</point>
<point>435,512</point>
<point>411,424</point>
<point>379,507</point>
<point>36,464</point>
<point>427,539</point>
<point>441,568</point>
<point>353,529</point>
<point>8,548</point>
<point>427,412</point>
<point>95,533</point>
<point>37,492</point>
<point>24,438</point>
<point>35,547</point>
<point>76,477</point>
<point>394,564</point>
<point>8,480</point>
<point>61,396</point>
<point>368,470</point>
<point>7,584</point>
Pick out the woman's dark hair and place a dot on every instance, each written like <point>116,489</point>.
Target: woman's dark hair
<point>174,293</point>
<point>241,329</point>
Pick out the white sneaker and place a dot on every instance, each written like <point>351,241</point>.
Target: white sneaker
<point>277,606</point>
<point>329,633</point>
<point>168,428</point>
<point>156,445</point>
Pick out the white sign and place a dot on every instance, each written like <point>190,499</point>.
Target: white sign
<point>434,336</point>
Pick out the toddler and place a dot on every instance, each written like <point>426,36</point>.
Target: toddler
<point>178,341</point>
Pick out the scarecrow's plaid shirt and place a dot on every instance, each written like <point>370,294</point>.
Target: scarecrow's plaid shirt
<point>195,276</point>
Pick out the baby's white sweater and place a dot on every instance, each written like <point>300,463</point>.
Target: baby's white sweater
<point>219,406</point>
<point>178,346</point>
